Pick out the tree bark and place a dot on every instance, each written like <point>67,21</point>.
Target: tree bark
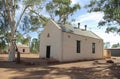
<point>11,52</point>
<point>11,21</point>
<point>18,56</point>
<point>10,7</point>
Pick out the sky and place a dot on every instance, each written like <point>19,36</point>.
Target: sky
<point>91,20</point>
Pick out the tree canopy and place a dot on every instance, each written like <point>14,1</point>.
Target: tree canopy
<point>111,10</point>
<point>61,8</point>
<point>20,17</point>
<point>12,24</point>
<point>116,45</point>
<point>34,46</point>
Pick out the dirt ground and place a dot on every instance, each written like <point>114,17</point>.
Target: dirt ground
<point>73,70</point>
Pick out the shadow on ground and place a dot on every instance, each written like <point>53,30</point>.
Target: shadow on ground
<point>98,71</point>
<point>111,71</point>
<point>72,73</point>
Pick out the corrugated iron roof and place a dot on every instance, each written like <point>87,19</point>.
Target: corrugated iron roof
<point>70,29</point>
<point>83,32</point>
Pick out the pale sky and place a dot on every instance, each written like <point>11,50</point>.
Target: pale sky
<point>91,20</point>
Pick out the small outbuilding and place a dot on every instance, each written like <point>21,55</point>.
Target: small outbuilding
<point>67,43</point>
<point>23,48</point>
<point>113,51</point>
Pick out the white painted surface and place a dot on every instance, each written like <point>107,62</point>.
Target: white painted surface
<point>63,44</point>
<point>69,47</point>
<point>54,40</point>
<point>23,48</point>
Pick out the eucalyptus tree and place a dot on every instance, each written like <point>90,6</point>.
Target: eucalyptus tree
<point>2,44</point>
<point>116,45</point>
<point>61,8</point>
<point>111,10</point>
<point>21,39</point>
<point>3,27</point>
<point>22,22</point>
<point>34,46</point>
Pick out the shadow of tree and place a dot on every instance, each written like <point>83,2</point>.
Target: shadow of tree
<point>115,70</point>
<point>100,72</point>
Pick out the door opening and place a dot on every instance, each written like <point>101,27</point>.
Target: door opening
<point>48,52</point>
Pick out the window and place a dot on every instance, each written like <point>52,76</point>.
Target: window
<point>78,46</point>
<point>23,50</point>
<point>93,48</point>
<point>48,35</point>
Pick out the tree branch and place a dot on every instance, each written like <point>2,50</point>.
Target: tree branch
<point>21,15</point>
<point>38,15</point>
<point>14,8</point>
<point>1,14</point>
<point>7,10</point>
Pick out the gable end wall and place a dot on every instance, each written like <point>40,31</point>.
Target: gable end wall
<point>54,40</point>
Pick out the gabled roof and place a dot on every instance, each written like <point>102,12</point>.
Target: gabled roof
<point>70,29</point>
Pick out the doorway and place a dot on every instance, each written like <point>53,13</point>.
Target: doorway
<point>23,50</point>
<point>48,52</point>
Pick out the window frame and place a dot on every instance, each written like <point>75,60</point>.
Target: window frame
<point>78,46</point>
<point>93,48</point>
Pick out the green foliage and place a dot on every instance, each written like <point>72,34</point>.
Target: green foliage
<point>107,45</point>
<point>33,20</point>
<point>32,2</point>
<point>3,44</point>
<point>21,39</point>
<point>27,24</point>
<point>26,40</point>
<point>115,45</point>
<point>3,28</point>
<point>62,9</point>
<point>111,29</point>
<point>111,9</point>
<point>38,20</point>
<point>34,46</point>
<point>11,22</point>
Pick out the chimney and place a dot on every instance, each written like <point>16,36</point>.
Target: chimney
<point>78,25</point>
<point>85,27</point>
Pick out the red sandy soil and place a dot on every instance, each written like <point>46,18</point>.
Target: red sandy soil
<point>73,70</point>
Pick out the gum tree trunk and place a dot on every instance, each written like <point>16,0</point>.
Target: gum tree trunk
<point>12,43</point>
<point>11,52</point>
<point>10,7</point>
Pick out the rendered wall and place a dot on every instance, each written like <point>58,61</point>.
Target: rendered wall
<point>51,36</point>
<point>69,47</point>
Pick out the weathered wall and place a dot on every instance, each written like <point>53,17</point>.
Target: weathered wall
<point>69,47</point>
<point>51,36</point>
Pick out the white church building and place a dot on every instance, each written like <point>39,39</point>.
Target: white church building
<point>67,43</point>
